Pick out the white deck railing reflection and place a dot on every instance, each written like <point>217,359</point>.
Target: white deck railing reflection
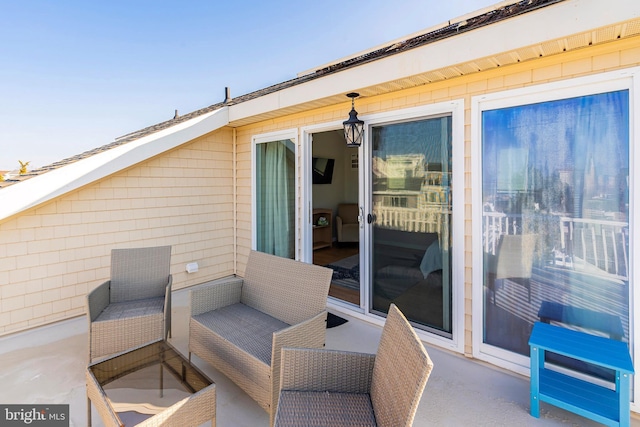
<point>432,219</point>
<point>590,245</point>
<point>496,224</point>
<point>602,244</point>
<point>593,246</point>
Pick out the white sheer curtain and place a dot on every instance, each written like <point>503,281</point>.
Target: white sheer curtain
<point>598,132</point>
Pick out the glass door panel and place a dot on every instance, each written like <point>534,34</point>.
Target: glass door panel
<point>555,229</point>
<point>275,198</point>
<point>411,221</point>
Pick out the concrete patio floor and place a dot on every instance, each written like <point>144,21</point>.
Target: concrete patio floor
<point>46,365</point>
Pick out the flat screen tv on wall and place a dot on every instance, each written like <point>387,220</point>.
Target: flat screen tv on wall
<point>322,170</point>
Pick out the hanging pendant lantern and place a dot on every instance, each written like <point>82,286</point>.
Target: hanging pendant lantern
<point>353,127</point>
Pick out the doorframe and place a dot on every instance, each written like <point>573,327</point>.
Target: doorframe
<point>626,79</point>
<point>456,109</point>
<point>306,201</point>
<point>264,138</point>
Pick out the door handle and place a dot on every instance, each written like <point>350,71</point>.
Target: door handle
<point>371,218</point>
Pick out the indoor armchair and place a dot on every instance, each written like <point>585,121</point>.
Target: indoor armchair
<point>347,226</point>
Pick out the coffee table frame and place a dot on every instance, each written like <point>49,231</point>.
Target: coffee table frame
<point>194,410</point>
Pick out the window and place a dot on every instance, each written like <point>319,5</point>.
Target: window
<point>399,202</point>
<point>555,217</point>
<point>275,197</point>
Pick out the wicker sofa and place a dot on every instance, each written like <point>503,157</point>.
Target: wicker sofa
<point>239,326</point>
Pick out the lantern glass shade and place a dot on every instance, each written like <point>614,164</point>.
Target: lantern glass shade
<point>353,129</point>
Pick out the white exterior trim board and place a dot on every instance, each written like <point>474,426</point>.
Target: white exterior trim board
<point>45,187</point>
<point>561,20</point>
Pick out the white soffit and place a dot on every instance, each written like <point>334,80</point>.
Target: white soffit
<point>45,187</point>
<point>558,26</point>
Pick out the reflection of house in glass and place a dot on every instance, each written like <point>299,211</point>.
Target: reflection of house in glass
<point>569,201</point>
<point>411,194</point>
<point>407,181</point>
<point>409,175</point>
<point>596,241</point>
<point>397,180</point>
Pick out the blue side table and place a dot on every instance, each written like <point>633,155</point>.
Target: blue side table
<point>601,404</point>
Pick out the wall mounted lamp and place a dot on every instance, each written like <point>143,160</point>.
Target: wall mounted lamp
<point>353,127</point>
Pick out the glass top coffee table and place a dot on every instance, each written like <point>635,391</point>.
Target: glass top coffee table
<point>133,388</point>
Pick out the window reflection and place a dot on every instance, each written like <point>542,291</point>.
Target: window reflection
<point>555,218</point>
<point>411,170</point>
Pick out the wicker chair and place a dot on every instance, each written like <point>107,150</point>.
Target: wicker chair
<point>240,325</point>
<point>339,388</point>
<point>134,307</point>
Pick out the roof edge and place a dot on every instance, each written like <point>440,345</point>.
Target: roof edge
<point>403,39</point>
<point>57,182</point>
<point>387,68</point>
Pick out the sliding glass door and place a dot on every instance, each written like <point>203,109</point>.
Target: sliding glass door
<point>555,218</point>
<point>411,165</point>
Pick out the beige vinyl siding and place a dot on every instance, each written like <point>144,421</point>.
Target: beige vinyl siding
<point>52,255</point>
<point>595,59</point>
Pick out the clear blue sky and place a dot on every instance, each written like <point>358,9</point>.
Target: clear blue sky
<point>76,74</point>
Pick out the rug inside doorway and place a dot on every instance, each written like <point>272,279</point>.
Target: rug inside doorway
<point>333,321</point>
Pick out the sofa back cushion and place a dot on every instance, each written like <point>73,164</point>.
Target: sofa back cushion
<point>401,248</point>
<point>289,290</point>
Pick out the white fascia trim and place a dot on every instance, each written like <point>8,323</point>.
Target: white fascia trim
<point>42,188</point>
<point>560,20</point>
<point>388,43</point>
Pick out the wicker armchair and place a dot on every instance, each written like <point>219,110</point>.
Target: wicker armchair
<point>240,325</point>
<point>134,307</point>
<point>339,388</point>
